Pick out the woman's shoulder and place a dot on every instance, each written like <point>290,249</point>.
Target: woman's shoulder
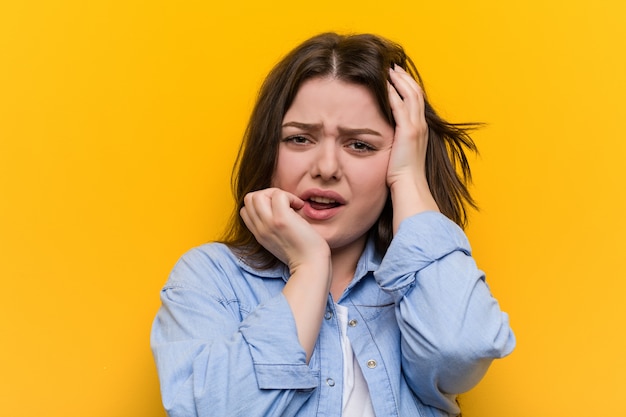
<point>211,249</point>
<point>202,263</point>
<point>217,260</point>
<point>207,257</point>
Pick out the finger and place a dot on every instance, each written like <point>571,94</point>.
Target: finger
<point>404,80</point>
<point>405,93</point>
<point>258,209</point>
<point>394,97</point>
<point>284,209</point>
<point>397,105</point>
<point>407,86</point>
<point>295,202</point>
<point>410,119</point>
<point>411,94</point>
<point>282,200</point>
<point>402,105</point>
<point>270,208</point>
<point>281,209</point>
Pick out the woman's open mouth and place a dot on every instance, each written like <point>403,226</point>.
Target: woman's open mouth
<point>322,203</point>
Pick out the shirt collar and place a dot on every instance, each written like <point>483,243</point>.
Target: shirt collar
<point>279,271</point>
<point>368,262</point>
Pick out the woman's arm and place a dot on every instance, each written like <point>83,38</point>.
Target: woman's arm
<point>212,361</point>
<point>406,175</point>
<point>270,215</point>
<point>451,326</point>
<point>215,356</point>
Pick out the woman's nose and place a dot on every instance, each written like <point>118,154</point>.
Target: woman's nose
<point>327,164</point>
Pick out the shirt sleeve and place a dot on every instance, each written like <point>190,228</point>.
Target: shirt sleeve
<point>215,361</point>
<point>451,326</point>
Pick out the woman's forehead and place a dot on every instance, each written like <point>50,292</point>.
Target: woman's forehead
<point>320,101</point>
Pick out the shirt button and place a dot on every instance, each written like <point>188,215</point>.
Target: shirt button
<point>371,364</point>
<point>330,382</point>
<point>352,323</point>
<point>328,315</point>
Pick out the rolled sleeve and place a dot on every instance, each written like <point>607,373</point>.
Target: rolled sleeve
<point>225,343</point>
<point>451,326</point>
<point>421,240</point>
<point>279,359</point>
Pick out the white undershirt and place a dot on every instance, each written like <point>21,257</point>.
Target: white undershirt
<point>356,396</point>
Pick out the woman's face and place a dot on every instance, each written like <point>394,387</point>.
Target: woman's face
<point>333,154</point>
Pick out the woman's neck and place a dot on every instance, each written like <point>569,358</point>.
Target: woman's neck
<point>344,262</point>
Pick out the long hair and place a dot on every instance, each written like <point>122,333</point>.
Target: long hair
<point>362,59</point>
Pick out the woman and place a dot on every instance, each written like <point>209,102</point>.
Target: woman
<point>343,285</point>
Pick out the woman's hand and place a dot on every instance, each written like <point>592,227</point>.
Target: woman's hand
<point>271,215</point>
<point>406,175</point>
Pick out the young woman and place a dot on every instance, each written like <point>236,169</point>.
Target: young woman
<point>344,285</point>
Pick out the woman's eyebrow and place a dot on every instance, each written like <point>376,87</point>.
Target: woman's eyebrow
<point>309,127</point>
<point>344,131</point>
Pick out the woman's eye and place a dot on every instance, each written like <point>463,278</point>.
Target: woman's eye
<point>297,139</point>
<point>361,146</point>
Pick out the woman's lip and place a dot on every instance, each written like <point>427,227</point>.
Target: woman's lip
<point>329,194</point>
<point>324,214</point>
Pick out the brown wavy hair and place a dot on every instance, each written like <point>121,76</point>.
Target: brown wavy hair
<point>362,59</point>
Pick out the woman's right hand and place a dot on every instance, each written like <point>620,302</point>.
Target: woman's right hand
<point>271,215</point>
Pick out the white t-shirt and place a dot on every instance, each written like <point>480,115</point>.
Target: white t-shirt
<point>356,395</point>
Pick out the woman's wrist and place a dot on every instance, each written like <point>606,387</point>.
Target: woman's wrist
<point>410,196</point>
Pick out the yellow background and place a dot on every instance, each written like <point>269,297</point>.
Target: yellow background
<point>119,122</point>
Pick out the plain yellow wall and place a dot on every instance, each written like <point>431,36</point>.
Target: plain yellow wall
<point>120,119</point>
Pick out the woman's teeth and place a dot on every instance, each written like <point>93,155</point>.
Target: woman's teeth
<point>323,200</point>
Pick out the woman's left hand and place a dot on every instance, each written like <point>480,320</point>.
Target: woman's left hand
<point>406,175</point>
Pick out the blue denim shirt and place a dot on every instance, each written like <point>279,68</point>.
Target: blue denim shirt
<point>422,323</point>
